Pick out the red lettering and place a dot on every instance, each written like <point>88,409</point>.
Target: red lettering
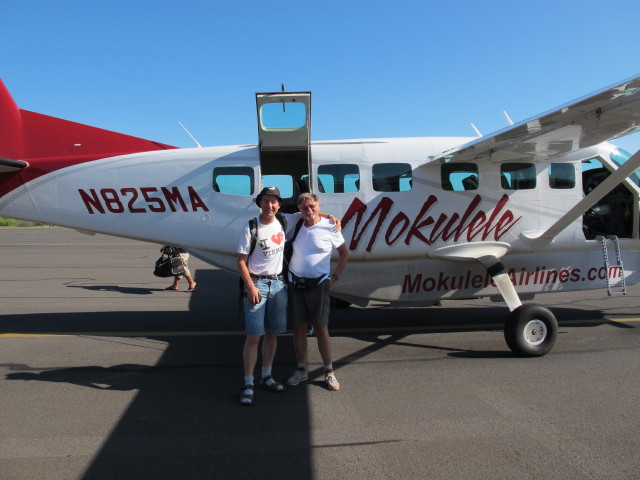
<point>410,287</point>
<point>358,208</point>
<point>496,225</point>
<point>112,200</point>
<point>418,224</point>
<point>159,207</point>
<point>172,197</point>
<point>134,197</point>
<point>91,202</point>
<point>401,217</point>
<point>196,201</point>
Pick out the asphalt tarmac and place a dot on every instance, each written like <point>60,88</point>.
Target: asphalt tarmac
<point>106,375</point>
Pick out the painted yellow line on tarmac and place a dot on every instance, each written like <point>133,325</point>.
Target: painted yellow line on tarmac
<point>121,334</point>
<point>34,335</point>
<point>334,331</point>
<point>624,320</point>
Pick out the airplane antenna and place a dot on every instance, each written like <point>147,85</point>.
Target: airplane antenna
<point>283,108</point>
<point>197,144</point>
<point>506,115</point>
<point>476,130</point>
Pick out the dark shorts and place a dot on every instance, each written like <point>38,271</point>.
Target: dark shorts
<point>310,307</point>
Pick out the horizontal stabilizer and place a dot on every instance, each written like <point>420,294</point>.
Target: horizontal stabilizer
<point>7,165</point>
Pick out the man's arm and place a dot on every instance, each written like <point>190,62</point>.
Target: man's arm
<point>336,222</point>
<point>253,294</point>
<point>342,262</point>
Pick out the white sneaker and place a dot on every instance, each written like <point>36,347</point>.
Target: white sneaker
<point>331,381</point>
<point>298,377</point>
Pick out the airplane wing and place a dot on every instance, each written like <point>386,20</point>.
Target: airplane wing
<point>610,113</point>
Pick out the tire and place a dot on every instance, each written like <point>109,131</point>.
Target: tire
<point>531,330</point>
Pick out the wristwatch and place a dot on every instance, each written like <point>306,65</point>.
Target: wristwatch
<point>335,276</point>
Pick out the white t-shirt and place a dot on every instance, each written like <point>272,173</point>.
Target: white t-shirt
<point>266,258</point>
<point>312,249</point>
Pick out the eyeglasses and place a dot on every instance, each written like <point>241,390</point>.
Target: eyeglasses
<point>308,207</point>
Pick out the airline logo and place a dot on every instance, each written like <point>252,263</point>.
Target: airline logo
<point>428,226</point>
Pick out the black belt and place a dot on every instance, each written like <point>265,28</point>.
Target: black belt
<point>267,277</point>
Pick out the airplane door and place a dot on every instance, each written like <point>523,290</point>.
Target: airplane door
<point>284,130</point>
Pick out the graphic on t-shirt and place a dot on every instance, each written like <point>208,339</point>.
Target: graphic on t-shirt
<point>278,238</point>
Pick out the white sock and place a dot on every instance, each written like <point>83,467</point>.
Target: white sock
<point>328,367</point>
<point>248,380</point>
<point>302,366</point>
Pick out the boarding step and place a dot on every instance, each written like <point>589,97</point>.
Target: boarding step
<point>617,269</point>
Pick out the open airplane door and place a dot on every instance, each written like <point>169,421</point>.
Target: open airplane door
<point>284,130</point>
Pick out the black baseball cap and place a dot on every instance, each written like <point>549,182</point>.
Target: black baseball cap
<point>269,191</point>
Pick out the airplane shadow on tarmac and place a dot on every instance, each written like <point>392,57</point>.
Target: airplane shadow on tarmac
<point>185,422</point>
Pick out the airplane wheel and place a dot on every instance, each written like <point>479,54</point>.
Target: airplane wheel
<point>531,330</point>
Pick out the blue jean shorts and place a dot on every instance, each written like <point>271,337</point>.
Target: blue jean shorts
<point>270,315</point>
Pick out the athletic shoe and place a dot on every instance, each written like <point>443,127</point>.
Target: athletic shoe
<point>331,381</point>
<point>298,377</point>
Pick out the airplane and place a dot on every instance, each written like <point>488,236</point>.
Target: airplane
<point>543,205</point>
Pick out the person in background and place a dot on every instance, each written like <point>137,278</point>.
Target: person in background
<point>184,255</point>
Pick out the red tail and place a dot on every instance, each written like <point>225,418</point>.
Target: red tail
<point>27,135</point>
<point>45,144</point>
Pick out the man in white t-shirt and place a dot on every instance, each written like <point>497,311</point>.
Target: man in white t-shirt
<point>265,301</point>
<point>311,282</point>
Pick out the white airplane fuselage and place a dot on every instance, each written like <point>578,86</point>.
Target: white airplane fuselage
<point>168,197</point>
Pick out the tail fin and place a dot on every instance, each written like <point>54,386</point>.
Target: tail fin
<point>10,131</point>
<point>29,136</point>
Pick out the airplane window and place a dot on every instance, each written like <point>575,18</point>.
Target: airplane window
<point>459,176</point>
<point>518,176</point>
<point>619,156</point>
<point>392,177</point>
<point>283,182</point>
<point>562,175</point>
<point>275,116</point>
<point>338,178</point>
<point>233,180</point>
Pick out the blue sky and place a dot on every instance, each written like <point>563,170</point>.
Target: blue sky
<point>375,69</point>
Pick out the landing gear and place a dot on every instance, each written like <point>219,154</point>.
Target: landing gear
<point>531,330</point>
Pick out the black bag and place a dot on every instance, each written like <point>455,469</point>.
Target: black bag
<point>163,266</point>
<point>303,284</point>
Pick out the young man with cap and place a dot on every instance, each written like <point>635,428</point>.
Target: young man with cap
<point>265,301</point>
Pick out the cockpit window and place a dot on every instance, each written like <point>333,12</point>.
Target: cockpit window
<point>392,177</point>
<point>518,176</point>
<point>233,180</point>
<point>459,176</point>
<point>562,175</point>
<point>620,156</point>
